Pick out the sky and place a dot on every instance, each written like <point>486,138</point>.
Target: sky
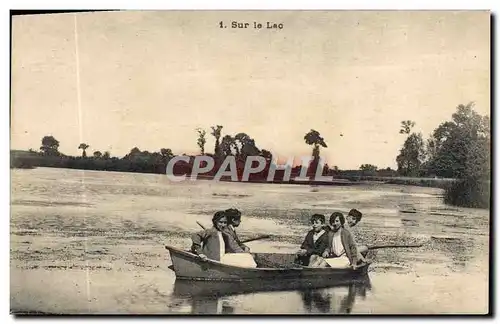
<point>149,79</point>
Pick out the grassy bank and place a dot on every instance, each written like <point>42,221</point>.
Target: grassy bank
<point>441,183</point>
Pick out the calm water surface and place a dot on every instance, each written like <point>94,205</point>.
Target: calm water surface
<point>93,242</point>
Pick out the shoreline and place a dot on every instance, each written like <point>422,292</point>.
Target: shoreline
<point>440,183</point>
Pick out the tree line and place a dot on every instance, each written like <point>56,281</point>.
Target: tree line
<point>240,145</point>
<point>458,148</point>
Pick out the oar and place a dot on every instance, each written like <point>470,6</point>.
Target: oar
<point>375,247</point>
<point>247,240</point>
<point>256,238</point>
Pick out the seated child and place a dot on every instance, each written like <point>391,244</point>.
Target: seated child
<point>234,219</point>
<point>210,243</point>
<point>353,218</point>
<point>215,244</point>
<point>315,242</point>
<point>342,250</point>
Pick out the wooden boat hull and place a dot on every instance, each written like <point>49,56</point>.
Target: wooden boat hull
<point>187,288</point>
<point>272,266</point>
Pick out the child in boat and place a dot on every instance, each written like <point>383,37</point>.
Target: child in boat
<point>234,220</point>
<point>342,251</point>
<point>210,243</point>
<point>353,218</point>
<point>315,242</point>
<point>215,244</point>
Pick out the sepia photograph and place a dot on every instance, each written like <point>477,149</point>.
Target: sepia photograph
<point>250,162</point>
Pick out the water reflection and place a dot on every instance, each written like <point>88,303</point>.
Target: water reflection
<point>207,305</point>
<point>212,297</point>
<point>325,301</point>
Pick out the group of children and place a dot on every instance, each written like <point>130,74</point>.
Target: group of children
<point>325,245</point>
<point>332,245</point>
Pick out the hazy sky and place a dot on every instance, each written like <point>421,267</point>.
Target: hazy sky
<point>149,79</point>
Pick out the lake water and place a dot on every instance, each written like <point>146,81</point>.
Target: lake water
<point>93,242</point>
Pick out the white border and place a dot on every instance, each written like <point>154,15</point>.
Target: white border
<point>186,5</point>
<point>257,4</point>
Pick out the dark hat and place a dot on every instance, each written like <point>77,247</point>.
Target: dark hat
<point>356,214</point>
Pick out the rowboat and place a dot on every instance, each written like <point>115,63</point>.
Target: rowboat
<point>270,267</point>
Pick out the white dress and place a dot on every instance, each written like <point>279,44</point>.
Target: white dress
<point>341,261</point>
<point>236,259</point>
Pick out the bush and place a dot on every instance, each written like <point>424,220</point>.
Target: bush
<point>468,193</point>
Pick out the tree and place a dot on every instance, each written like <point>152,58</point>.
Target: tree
<point>461,147</point>
<point>406,126</point>
<point>50,145</point>
<point>430,149</point>
<point>477,164</point>
<point>227,144</point>
<point>464,153</point>
<point>240,140</point>
<point>245,146</point>
<point>97,154</point>
<point>216,132</point>
<point>412,156</point>
<point>106,155</point>
<point>266,154</point>
<point>134,153</point>
<point>368,167</point>
<point>166,154</point>
<point>83,147</point>
<point>314,138</point>
<point>201,140</point>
